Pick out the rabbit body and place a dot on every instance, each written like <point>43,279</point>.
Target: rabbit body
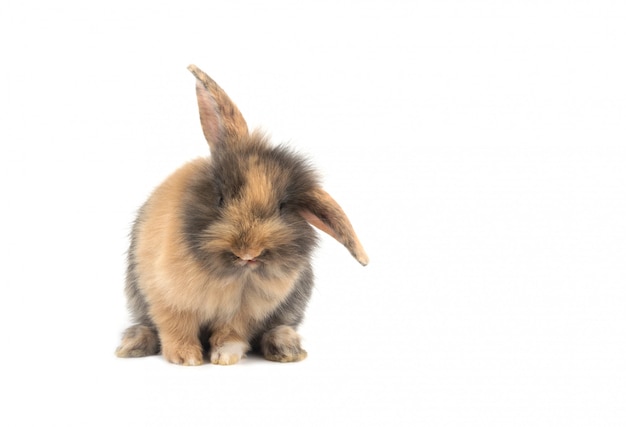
<point>220,254</point>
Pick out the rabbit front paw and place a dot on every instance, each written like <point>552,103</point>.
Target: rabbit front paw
<point>184,354</point>
<point>228,353</point>
<point>282,344</point>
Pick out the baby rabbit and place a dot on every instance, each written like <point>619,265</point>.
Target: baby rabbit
<point>220,254</point>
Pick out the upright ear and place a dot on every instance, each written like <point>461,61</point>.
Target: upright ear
<point>220,118</point>
<point>323,212</point>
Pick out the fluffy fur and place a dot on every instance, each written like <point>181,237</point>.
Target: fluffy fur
<point>220,253</point>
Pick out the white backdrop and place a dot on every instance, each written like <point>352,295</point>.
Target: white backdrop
<point>478,147</point>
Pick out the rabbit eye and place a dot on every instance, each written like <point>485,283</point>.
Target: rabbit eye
<point>220,201</point>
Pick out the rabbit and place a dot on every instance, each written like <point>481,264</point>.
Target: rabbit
<point>220,254</point>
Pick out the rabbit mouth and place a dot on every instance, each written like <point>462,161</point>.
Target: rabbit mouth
<point>248,262</point>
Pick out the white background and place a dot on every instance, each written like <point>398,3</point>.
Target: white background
<point>478,147</point>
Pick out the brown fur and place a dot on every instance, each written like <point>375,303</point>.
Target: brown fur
<point>239,273</point>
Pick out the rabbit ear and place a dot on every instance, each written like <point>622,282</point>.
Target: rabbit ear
<point>220,118</point>
<point>323,212</point>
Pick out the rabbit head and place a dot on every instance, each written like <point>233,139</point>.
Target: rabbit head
<point>250,208</point>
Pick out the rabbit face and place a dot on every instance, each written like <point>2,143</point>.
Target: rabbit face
<point>245,218</point>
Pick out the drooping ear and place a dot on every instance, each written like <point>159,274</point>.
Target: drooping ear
<point>220,118</point>
<point>323,212</point>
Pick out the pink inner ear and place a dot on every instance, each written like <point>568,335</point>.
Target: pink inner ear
<point>312,219</point>
<point>339,226</point>
<point>212,126</point>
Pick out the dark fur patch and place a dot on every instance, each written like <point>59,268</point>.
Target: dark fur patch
<point>137,304</point>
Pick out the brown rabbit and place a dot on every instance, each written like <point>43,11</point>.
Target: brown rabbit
<point>220,254</point>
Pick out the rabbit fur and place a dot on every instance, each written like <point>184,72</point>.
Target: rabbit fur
<point>220,254</point>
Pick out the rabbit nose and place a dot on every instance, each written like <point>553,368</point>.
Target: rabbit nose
<point>248,254</point>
